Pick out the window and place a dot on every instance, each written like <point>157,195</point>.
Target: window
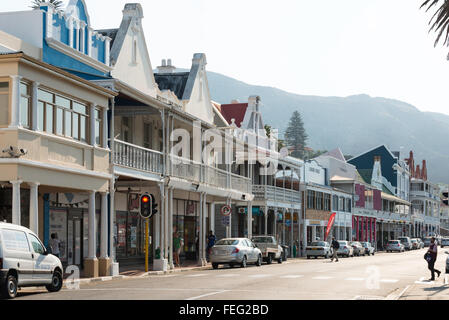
<point>147,135</point>
<point>310,199</point>
<point>4,103</point>
<point>15,240</point>
<point>62,116</point>
<point>348,205</point>
<point>327,202</point>
<point>25,100</point>
<point>98,123</point>
<point>37,245</point>
<point>319,201</point>
<point>126,129</point>
<point>335,203</point>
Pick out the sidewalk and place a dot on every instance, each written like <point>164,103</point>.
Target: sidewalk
<point>425,290</point>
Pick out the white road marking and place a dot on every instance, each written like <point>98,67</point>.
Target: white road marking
<point>322,278</point>
<point>293,276</point>
<point>228,275</point>
<point>355,279</point>
<point>197,275</point>
<point>260,275</point>
<point>423,281</point>
<point>389,280</point>
<point>206,295</point>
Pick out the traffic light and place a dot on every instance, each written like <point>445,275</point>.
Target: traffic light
<point>153,206</point>
<point>145,206</point>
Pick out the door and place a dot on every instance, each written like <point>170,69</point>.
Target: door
<point>74,239</point>
<point>42,269</point>
<point>17,254</point>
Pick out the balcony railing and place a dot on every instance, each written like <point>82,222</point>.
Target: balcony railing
<point>271,193</point>
<point>198,172</point>
<point>135,157</point>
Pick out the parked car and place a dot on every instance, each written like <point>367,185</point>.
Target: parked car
<point>369,249</point>
<point>421,243</point>
<point>427,241</point>
<point>269,247</point>
<point>444,242</point>
<point>318,249</point>
<point>395,245</point>
<point>22,256</point>
<point>235,251</point>
<point>447,261</point>
<point>358,249</point>
<point>406,241</point>
<point>345,249</point>
<point>415,244</point>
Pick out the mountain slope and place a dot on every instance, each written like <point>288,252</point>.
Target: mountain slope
<point>355,123</point>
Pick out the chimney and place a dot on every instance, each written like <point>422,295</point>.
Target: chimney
<point>418,172</point>
<point>235,101</point>
<point>166,67</point>
<point>424,170</point>
<point>133,10</point>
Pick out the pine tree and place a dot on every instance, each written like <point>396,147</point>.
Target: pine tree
<point>35,4</point>
<point>295,135</point>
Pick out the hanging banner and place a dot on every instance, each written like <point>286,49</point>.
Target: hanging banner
<point>329,224</point>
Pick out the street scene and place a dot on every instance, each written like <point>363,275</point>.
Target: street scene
<point>124,177</point>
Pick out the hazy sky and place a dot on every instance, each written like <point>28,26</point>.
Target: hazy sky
<point>320,47</point>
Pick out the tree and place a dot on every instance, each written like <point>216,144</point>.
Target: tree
<point>440,19</point>
<point>295,135</point>
<point>313,154</point>
<point>280,142</point>
<point>37,3</point>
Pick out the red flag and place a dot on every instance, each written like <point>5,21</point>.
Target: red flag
<point>329,224</point>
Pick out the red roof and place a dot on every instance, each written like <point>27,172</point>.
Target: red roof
<point>234,111</point>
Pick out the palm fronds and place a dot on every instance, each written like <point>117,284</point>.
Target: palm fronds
<point>440,19</point>
<point>37,3</point>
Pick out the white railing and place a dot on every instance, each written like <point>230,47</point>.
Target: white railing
<point>198,172</point>
<point>271,193</point>
<point>132,156</point>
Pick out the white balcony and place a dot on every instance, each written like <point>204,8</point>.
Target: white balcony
<point>197,172</point>
<point>272,193</point>
<point>135,157</point>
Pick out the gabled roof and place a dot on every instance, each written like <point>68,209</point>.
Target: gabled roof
<point>175,82</point>
<point>234,111</point>
<point>366,174</point>
<point>336,153</point>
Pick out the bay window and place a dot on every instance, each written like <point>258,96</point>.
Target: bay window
<point>4,103</point>
<point>25,103</point>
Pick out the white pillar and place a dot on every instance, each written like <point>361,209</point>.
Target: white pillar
<point>34,120</point>
<point>165,230</point>
<point>292,224</point>
<point>283,225</point>
<point>200,235</point>
<point>265,214</point>
<point>170,230</point>
<point>104,226</point>
<point>16,212</point>
<point>212,217</point>
<point>15,101</point>
<point>204,262</point>
<point>313,233</point>
<point>34,207</point>
<point>92,235</point>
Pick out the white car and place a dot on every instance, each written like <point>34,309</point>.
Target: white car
<point>25,262</point>
<point>444,242</point>
<point>345,249</point>
<point>235,251</point>
<point>318,249</point>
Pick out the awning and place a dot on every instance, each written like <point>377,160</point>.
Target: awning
<point>387,196</point>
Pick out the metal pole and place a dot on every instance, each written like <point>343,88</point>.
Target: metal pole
<point>146,245</point>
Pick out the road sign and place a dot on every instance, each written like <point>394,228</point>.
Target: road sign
<point>226,210</point>
<point>225,221</point>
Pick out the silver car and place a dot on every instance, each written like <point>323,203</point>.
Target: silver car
<point>318,249</point>
<point>395,245</point>
<point>345,249</point>
<point>235,251</point>
<point>444,242</point>
<point>369,249</point>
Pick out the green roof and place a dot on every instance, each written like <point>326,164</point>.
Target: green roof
<point>386,190</point>
<point>366,174</point>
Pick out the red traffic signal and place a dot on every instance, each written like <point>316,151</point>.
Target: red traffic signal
<point>145,206</point>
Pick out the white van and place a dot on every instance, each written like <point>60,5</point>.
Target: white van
<point>25,262</point>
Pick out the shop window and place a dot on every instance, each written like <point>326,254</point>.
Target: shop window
<point>4,103</point>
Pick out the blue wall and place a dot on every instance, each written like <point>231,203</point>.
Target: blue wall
<point>366,161</point>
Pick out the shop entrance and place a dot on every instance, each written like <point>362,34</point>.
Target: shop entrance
<point>74,238</point>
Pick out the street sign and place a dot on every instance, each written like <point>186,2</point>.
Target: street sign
<point>225,221</point>
<point>226,210</point>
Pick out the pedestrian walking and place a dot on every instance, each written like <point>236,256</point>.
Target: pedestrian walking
<point>433,250</point>
<point>54,244</point>
<point>335,247</point>
<point>211,239</point>
<point>177,244</point>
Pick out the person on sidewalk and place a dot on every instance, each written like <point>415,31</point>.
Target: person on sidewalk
<point>54,244</point>
<point>211,239</point>
<point>177,244</point>
<point>335,247</point>
<point>433,250</point>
